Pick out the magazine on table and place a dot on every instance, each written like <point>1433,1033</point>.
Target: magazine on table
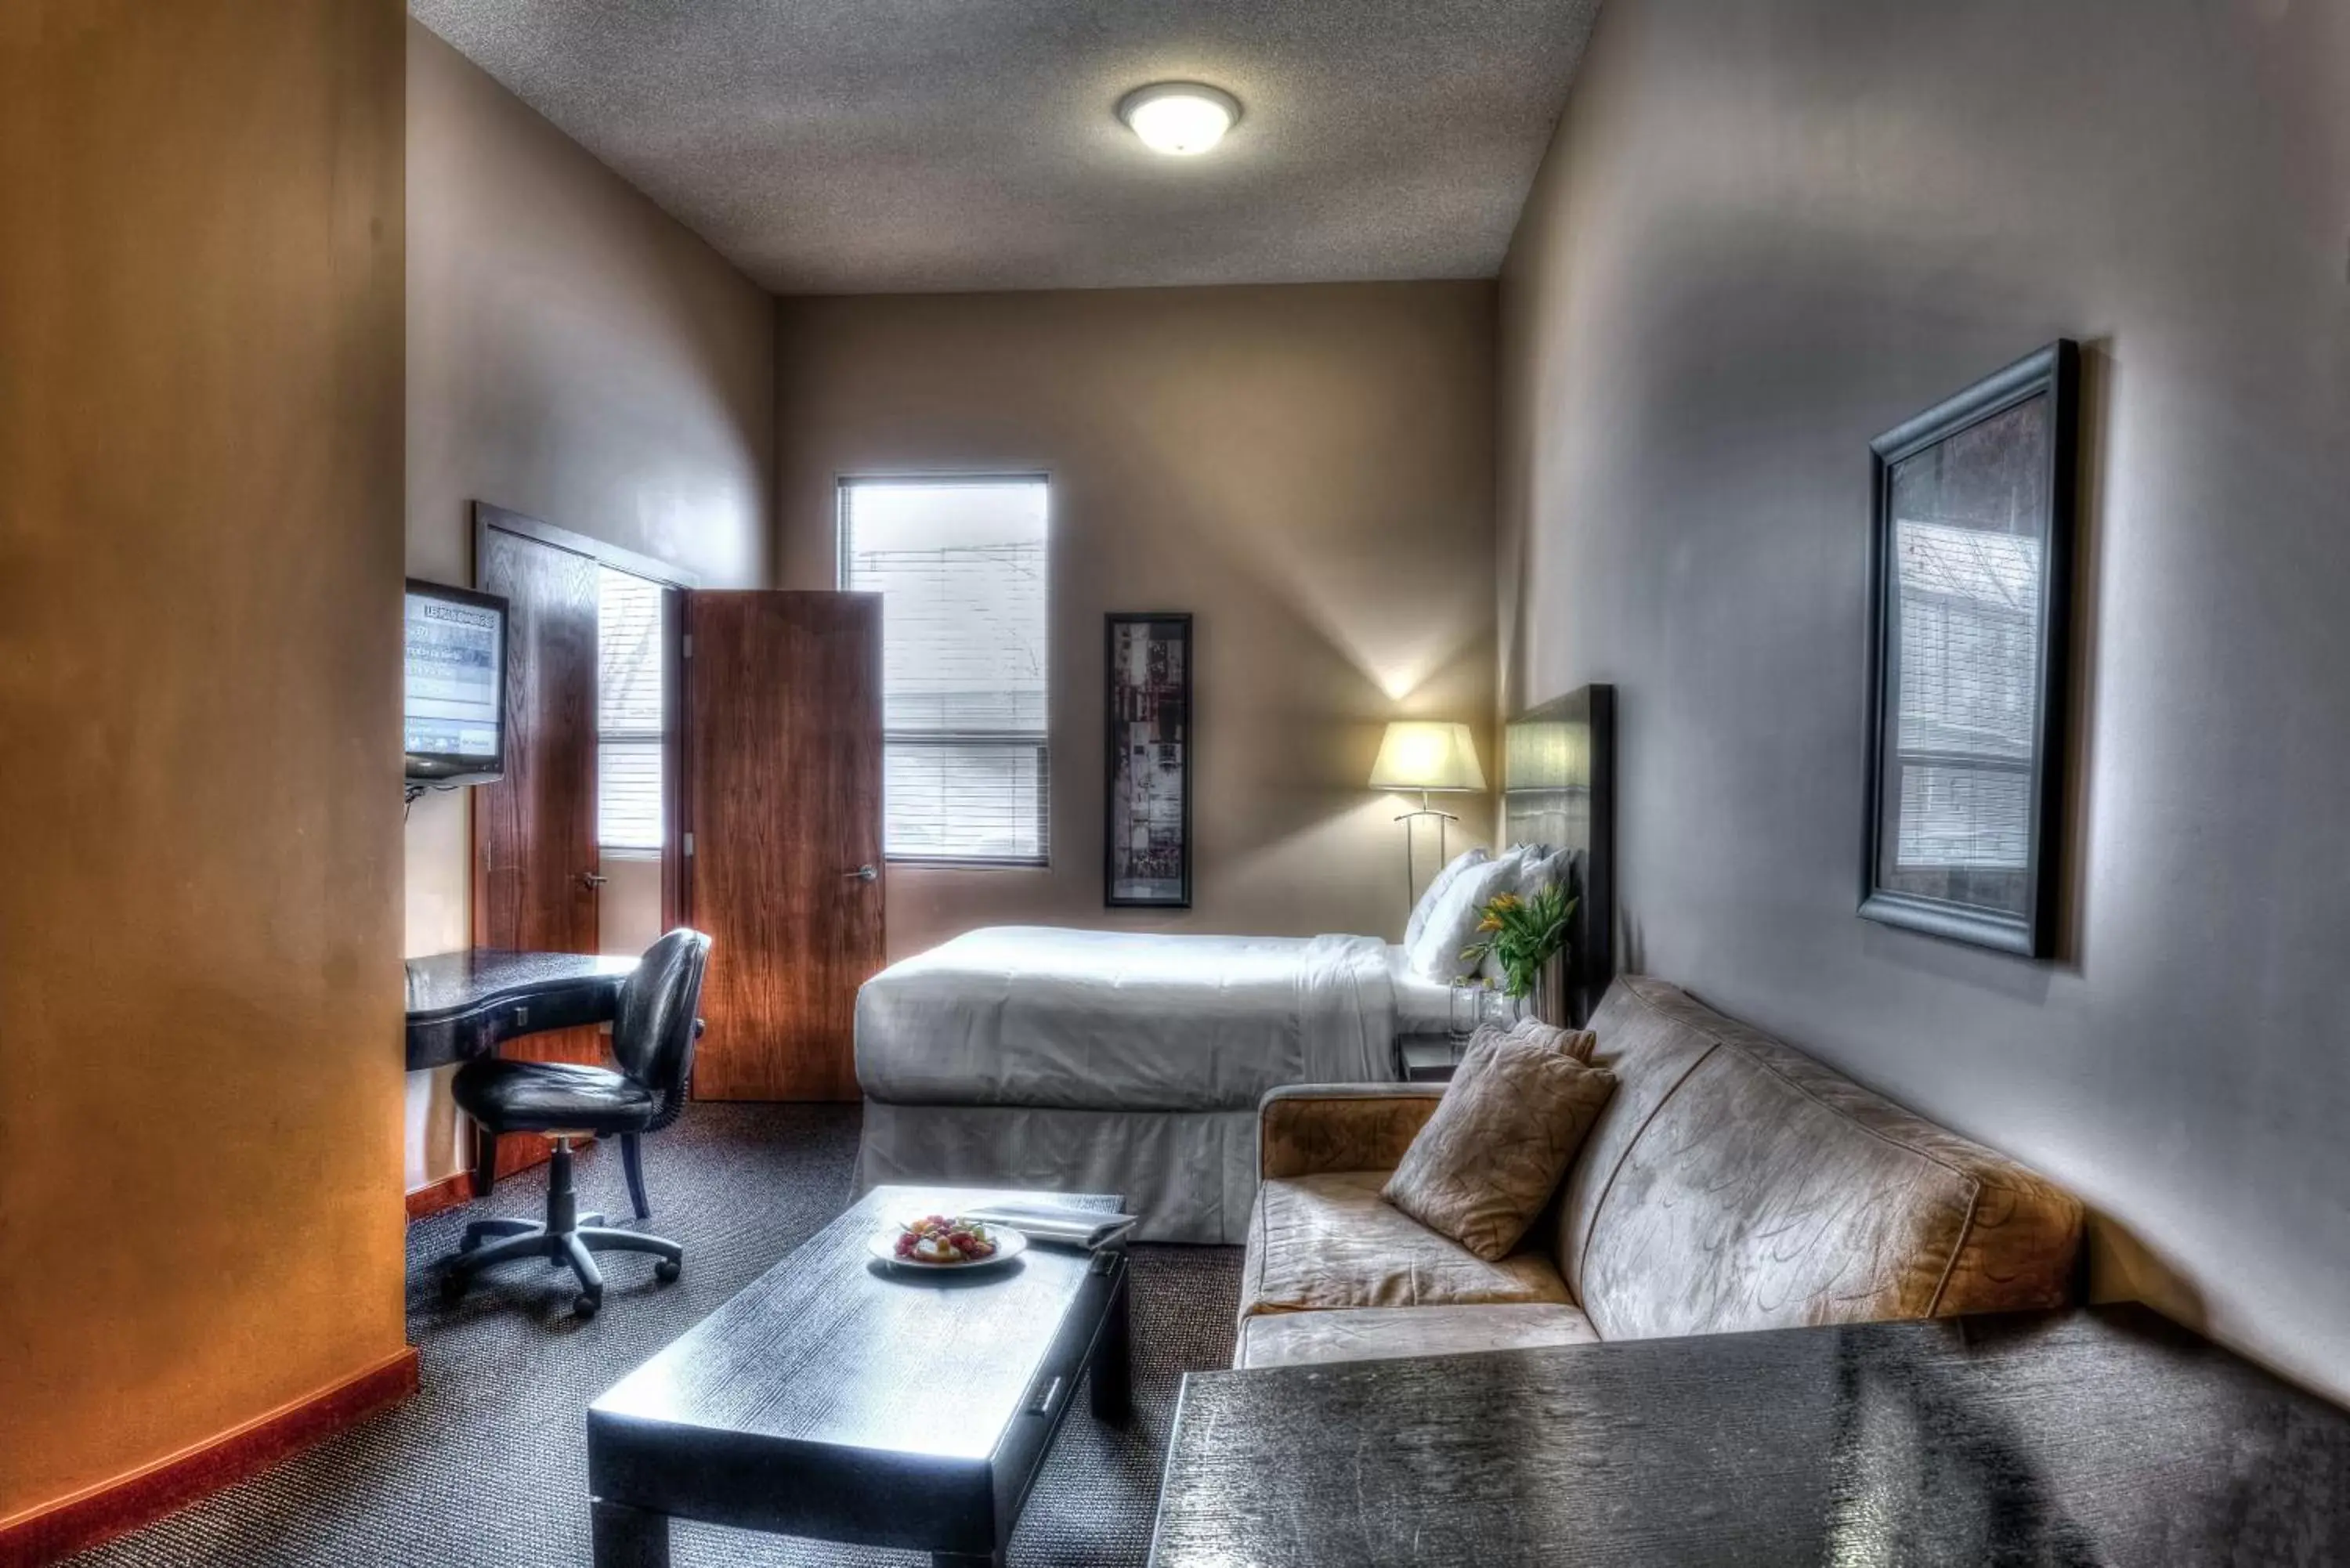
<point>1088,1228</point>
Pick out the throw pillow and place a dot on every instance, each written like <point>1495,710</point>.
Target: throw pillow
<point>1519,1107</point>
<point>1442,879</point>
<point>1452,925</point>
<point>1578,1044</point>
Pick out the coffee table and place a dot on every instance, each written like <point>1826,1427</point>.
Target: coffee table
<point>843,1399</point>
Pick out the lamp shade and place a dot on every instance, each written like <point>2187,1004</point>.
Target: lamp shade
<point>1417,755</point>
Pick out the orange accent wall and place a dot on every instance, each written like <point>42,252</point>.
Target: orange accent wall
<point>201,548</point>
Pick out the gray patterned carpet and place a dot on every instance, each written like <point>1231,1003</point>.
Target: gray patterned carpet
<point>487,1465</point>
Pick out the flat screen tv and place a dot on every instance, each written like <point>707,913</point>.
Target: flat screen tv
<point>454,713</point>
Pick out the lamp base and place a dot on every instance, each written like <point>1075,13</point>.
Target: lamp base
<point>1411,881</point>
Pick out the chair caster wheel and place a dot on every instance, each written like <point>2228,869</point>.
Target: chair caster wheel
<point>452,1288</point>
<point>668,1269</point>
<point>584,1307</point>
<point>467,1243</point>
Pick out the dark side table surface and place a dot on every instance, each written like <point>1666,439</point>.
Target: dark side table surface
<point>2106,1436</point>
<point>462,1004</point>
<point>840,1398</point>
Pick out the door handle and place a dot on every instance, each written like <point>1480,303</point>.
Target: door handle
<point>589,880</point>
<point>864,874</point>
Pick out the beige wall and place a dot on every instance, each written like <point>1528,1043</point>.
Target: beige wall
<point>200,544</point>
<point>573,354</point>
<point>1768,231</point>
<point>1306,470</point>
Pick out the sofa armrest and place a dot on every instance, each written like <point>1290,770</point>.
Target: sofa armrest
<point>1304,1129</point>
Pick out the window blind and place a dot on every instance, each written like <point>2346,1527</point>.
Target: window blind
<point>1970,667</point>
<point>632,678</point>
<point>960,568</point>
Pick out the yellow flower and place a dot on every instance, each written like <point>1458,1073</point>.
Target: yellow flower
<point>1505,902</point>
<point>1490,923</point>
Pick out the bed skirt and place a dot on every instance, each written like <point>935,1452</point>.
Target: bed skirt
<point>1191,1175</point>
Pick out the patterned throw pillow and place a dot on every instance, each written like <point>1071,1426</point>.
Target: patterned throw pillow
<point>1578,1044</point>
<point>1519,1107</point>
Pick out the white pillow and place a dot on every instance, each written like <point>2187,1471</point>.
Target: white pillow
<point>1452,925</point>
<point>1442,879</point>
<point>1541,867</point>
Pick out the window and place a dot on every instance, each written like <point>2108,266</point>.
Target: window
<point>960,566</point>
<point>631,679</point>
<point>1970,674</point>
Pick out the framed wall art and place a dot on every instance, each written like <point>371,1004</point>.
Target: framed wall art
<point>1970,565</point>
<point>1147,836</point>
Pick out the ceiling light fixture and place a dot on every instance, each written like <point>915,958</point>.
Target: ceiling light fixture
<point>1181,119</point>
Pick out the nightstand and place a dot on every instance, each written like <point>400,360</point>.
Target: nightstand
<point>1427,1059</point>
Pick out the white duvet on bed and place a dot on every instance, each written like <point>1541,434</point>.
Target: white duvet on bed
<point>1422,1006</point>
<point>1035,1016</point>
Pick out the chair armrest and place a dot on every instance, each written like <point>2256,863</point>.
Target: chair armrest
<point>1304,1129</point>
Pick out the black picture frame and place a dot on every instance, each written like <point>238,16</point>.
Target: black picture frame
<point>1150,716</point>
<point>1970,620</point>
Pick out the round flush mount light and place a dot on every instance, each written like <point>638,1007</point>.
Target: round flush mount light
<point>1180,118</point>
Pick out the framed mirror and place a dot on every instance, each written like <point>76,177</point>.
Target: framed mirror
<point>1970,575</point>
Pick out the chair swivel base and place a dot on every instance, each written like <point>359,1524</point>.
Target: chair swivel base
<point>564,1236</point>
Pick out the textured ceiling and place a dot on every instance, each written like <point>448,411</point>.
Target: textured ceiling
<point>878,146</point>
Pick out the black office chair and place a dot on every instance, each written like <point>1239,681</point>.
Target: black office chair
<point>653,1034</point>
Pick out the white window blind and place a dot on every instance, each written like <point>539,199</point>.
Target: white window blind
<point>960,566</point>
<point>1969,673</point>
<point>631,676</point>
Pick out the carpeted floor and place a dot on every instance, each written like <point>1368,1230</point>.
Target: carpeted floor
<point>487,1465</point>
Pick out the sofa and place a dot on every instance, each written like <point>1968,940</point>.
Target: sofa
<point>1730,1183</point>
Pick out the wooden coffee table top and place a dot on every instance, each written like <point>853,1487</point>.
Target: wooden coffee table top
<point>831,1348</point>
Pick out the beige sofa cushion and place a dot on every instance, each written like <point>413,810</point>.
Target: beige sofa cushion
<point>1649,1052</point>
<point>1737,1184</point>
<point>1378,1333</point>
<point>1486,1164</point>
<point>1331,1240</point>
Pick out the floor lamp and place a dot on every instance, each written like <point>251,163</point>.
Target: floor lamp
<point>1434,759</point>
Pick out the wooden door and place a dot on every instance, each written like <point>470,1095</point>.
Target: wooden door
<point>783,787</point>
<point>534,854</point>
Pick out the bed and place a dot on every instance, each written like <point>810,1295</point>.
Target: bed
<point>1119,1061</point>
<point>1131,1062</point>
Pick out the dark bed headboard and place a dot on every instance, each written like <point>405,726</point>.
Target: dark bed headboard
<point>1558,786</point>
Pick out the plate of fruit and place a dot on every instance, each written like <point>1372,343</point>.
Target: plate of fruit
<point>947,1242</point>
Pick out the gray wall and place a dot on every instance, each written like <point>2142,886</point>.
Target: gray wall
<point>576,354</point>
<point>1768,231</point>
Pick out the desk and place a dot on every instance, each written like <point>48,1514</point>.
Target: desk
<point>462,1004</point>
<point>2102,1435</point>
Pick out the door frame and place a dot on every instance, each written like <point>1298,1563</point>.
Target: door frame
<point>487,515</point>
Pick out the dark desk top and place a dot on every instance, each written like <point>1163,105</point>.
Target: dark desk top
<point>2102,1436</point>
<point>462,1004</point>
<point>450,983</point>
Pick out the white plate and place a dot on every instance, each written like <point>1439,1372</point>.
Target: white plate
<point>1009,1244</point>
